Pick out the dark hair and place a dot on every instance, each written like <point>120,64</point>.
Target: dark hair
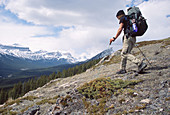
<point>120,12</point>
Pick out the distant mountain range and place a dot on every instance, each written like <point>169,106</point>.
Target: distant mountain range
<point>26,53</point>
<point>15,59</point>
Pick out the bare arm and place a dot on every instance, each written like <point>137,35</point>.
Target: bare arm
<point>118,33</point>
<point>119,30</point>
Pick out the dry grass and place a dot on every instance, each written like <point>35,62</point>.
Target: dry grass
<point>164,41</point>
<point>49,101</point>
<point>113,60</point>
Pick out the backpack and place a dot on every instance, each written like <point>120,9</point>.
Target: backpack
<point>136,25</point>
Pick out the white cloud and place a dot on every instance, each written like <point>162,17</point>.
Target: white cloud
<point>156,11</point>
<point>62,12</point>
<point>2,2</point>
<point>17,33</point>
<point>94,23</point>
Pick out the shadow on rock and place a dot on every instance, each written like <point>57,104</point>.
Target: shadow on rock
<point>158,68</point>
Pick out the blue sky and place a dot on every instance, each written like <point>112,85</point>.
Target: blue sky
<point>14,18</point>
<point>135,2</point>
<point>82,27</point>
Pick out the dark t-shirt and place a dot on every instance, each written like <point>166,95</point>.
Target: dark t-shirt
<point>124,21</point>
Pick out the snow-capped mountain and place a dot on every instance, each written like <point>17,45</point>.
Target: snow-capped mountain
<point>16,58</point>
<point>26,53</point>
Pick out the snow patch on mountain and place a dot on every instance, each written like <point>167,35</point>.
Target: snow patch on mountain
<point>26,53</point>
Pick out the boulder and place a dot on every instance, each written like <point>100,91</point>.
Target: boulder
<point>32,110</point>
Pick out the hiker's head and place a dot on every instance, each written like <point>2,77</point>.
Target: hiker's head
<point>120,13</point>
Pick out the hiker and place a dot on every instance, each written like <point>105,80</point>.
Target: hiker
<point>128,44</point>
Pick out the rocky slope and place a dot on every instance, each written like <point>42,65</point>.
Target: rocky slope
<point>100,91</point>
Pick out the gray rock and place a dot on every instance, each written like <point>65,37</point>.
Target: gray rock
<point>50,109</point>
<point>37,113</point>
<point>145,101</point>
<point>162,93</point>
<point>68,92</point>
<point>57,112</point>
<point>32,110</point>
<point>153,107</point>
<point>58,101</point>
<point>62,95</point>
<point>75,90</point>
<point>156,53</point>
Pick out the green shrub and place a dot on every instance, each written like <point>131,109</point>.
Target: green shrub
<point>104,87</point>
<point>94,109</point>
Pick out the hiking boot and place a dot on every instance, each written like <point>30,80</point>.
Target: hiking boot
<point>141,67</point>
<point>122,71</point>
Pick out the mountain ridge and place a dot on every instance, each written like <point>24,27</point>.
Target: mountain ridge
<point>26,53</point>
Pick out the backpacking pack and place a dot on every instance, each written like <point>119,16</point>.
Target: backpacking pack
<point>136,25</point>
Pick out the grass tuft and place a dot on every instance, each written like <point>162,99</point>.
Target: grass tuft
<point>30,98</point>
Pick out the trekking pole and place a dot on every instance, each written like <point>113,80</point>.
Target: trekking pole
<point>143,55</point>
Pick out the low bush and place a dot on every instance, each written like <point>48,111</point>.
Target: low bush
<point>104,87</point>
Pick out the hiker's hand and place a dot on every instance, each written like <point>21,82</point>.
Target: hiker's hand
<point>112,40</point>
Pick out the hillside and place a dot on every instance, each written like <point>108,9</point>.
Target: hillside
<point>32,73</point>
<point>100,91</point>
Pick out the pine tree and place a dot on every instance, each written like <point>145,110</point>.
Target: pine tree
<point>52,76</point>
<point>64,73</point>
<point>58,75</point>
<point>2,96</point>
